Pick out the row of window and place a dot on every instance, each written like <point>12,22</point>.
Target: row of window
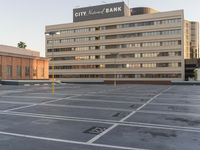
<point>126,25</point>
<point>110,56</point>
<point>9,71</point>
<point>118,36</point>
<point>137,76</point>
<point>135,65</point>
<point>118,46</point>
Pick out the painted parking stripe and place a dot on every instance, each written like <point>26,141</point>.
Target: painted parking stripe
<point>170,113</point>
<point>21,107</point>
<point>36,97</point>
<point>123,119</point>
<point>65,106</point>
<point>67,141</point>
<point>105,101</point>
<point>93,120</point>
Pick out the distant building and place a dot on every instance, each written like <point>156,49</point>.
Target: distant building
<point>190,66</point>
<point>113,42</point>
<point>191,40</point>
<point>22,64</point>
<point>142,11</point>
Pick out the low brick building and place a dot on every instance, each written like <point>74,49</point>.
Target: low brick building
<point>22,64</point>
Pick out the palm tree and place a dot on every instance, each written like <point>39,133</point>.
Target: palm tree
<point>22,45</point>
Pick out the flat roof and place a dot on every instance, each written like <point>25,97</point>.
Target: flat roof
<point>83,24</point>
<point>5,49</point>
<point>100,117</point>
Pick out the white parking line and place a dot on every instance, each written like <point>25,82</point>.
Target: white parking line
<point>122,96</point>
<point>129,95</point>
<point>42,103</point>
<point>56,100</point>
<point>13,102</point>
<point>162,126</point>
<point>123,119</point>
<point>106,101</point>
<point>178,98</point>
<point>65,106</point>
<point>169,112</point>
<point>56,94</point>
<point>175,104</point>
<point>66,141</point>
<point>103,121</point>
<point>34,97</point>
<point>35,104</point>
<point>21,107</point>
<point>114,109</point>
<point>89,107</point>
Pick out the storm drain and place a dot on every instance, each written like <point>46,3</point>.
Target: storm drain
<point>95,130</point>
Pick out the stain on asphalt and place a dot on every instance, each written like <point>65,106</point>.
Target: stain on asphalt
<point>155,134</point>
<point>178,108</point>
<point>187,121</point>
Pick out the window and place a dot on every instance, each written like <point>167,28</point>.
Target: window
<point>19,71</point>
<point>27,71</point>
<point>137,55</point>
<point>42,72</point>
<point>35,72</point>
<point>149,65</point>
<point>0,71</point>
<point>162,64</point>
<point>111,27</point>
<point>9,70</point>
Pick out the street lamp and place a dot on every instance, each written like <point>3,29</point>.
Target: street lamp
<point>115,72</point>
<point>52,33</point>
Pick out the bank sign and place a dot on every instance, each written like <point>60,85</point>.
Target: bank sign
<point>99,12</point>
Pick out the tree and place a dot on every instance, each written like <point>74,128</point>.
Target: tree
<point>22,45</point>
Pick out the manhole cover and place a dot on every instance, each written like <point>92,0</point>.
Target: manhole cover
<point>95,130</point>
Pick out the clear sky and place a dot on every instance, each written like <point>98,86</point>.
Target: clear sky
<point>25,20</point>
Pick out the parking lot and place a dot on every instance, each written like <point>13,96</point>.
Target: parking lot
<point>100,117</point>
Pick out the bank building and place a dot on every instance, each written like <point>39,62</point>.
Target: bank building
<point>113,42</point>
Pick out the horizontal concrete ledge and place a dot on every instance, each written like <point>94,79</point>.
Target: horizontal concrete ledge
<point>152,82</point>
<point>84,81</point>
<point>45,82</point>
<point>118,82</point>
<point>25,82</point>
<point>185,82</point>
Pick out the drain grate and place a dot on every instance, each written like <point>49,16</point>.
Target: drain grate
<point>95,130</point>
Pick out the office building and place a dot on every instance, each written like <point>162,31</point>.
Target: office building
<point>191,40</point>
<point>22,64</point>
<point>113,42</point>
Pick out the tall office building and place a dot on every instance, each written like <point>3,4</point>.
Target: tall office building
<point>113,42</point>
<point>191,40</point>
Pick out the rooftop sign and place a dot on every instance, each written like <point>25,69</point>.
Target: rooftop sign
<point>99,12</point>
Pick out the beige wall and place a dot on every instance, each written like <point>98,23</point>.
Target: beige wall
<point>116,21</point>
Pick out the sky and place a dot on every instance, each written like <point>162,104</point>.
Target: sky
<point>25,20</point>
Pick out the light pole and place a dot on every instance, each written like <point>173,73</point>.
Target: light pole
<point>52,33</point>
<point>115,72</point>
